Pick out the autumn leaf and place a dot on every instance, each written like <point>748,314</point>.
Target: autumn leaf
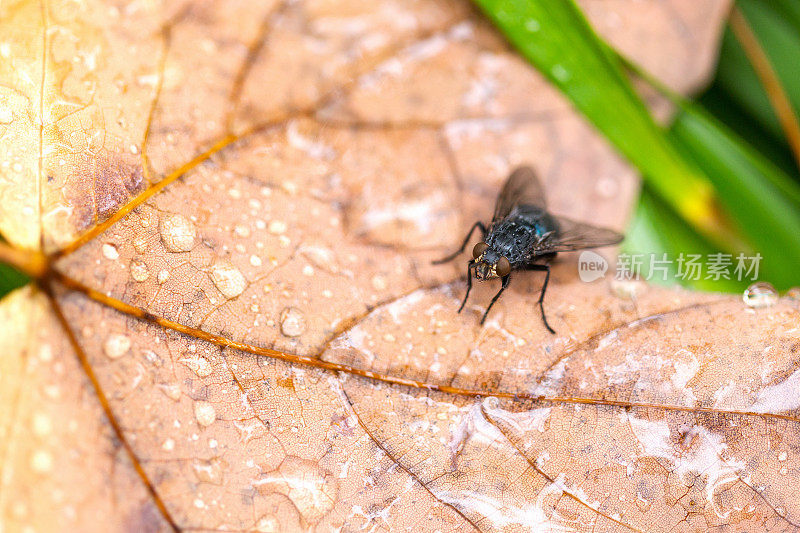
<point>231,209</point>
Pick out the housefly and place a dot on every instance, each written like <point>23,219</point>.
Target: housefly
<point>524,236</point>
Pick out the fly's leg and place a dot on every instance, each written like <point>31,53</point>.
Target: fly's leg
<point>505,279</point>
<point>464,244</point>
<point>542,268</point>
<point>469,283</point>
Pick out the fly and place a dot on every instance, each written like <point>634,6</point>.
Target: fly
<point>524,236</point>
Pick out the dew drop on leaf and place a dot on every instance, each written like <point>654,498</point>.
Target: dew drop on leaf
<point>293,322</point>
<point>42,461</point>
<point>228,279</point>
<point>110,252</point>
<point>139,270</point>
<point>204,413</point>
<point>198,364</point>
<point>627,289</point>
<point>267,524</point>
<point>760,294</point>
<point>177,233</point>
<point>208,471</point>
<point>276,227</point>
<point>140,245</point>
<point>116,346</point>
<point>42,426</point>
<point>643,504</point>
<point>171,391</point>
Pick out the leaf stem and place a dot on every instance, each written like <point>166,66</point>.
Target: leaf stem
<point>32,263</point>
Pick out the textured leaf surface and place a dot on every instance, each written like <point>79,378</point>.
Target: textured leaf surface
<point>327,153</point>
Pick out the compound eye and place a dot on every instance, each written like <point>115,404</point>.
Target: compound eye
<point>479,249</point>
<point>503,267</point>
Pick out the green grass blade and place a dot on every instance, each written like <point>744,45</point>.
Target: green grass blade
<point>778,35</point>
<point>765,200</point>
<point>720,104</point>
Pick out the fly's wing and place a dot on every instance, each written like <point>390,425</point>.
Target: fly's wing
<point>572,235</point>
<point>521,188</point>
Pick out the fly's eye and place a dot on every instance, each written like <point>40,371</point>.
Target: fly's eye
<point>479,249</point>
<point>503,267</point>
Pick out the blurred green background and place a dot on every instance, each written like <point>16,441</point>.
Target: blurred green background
<point>723,177</point>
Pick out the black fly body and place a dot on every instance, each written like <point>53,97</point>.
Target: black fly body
<point>524,236</point>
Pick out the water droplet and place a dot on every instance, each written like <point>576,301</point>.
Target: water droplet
<point>320,257</point>
<point>171,391</point>
<point>198,364</point>
<point>643,504</point>
<point>116,346</point>
<point>276,227</point>
<point>379,283</point>
<point>255,261</point>
<point>228,279</point>
<point>560,73</point>
<point>163,276</point>
<point>760,294</point>
<point>204,413</point>
<point>208,471</point>
<point>110,252</point>
<point>140,245</point>
<point>532,25</point>
<point>293,322</point>
<point>627,289</point>
<point>42,426</point>
<point>177,233</point>
<point>153,358</point>
<point>312,492</point>
<point>46,353</point>
<point>268,524</point>
<point>42,461</point>
<point>139,270</point>
<point>168,445</point>
<point>782,456</point>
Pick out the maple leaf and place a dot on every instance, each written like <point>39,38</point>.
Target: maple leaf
<point>231,210</point>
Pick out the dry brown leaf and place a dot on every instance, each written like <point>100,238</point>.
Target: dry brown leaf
<point>278,178</point>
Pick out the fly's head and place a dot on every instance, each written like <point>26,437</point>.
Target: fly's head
<point>488,263</point>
